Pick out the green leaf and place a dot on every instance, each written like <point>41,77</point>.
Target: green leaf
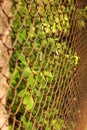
<point>81,24</point>
<point>27,72</point>
<point>59,45</point>
<point>44,42</point>
<point>51,40</point>
<point>10,94</point>
<point>23,59</point>
<point>31,81</point>
<point>57,19</point>
<point>20,93</point>
<point>10,127</point>
<point>30,125</point>
<point>28,101</point>
<point>28,21</point>
<point>16,22</point>
<point>42,35</point>
<point>54,122</point>
<point>43,83</point>
<point>22,35</point>
<point>48,74</point>
<point>32,33</point>
<point>37,44</point>
<point>39,96</point>
<point>48,128</point>
<point>70,1</point>
<point>54,48</point>
<point>24,121</point>
<point>48,30</point>
<point>16,54</point>
<point>76,60</point>
<point>15,78</point>
<point>39,78</point>
<point>66,17</point>
<point>60,28</point>
<point>54,29</point>
<point>22,10</point>
<point>16,74</point>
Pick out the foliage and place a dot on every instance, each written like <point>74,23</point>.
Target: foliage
<point>81,17</point>
<point>37,55</point>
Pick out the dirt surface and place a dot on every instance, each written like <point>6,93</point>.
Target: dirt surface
<point>83,112</point>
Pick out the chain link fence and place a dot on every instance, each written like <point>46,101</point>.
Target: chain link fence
<point>45,44</point>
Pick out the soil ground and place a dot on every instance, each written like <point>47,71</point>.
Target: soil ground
<point>83,121</point>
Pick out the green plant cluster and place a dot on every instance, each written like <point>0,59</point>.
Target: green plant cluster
<point>37,56</point>
<point>81,17</point>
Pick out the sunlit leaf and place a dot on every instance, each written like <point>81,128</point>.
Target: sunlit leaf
<point>28,101</point>
<point>27,72</point>
<point>20,93</point>
<point>48,74</point>
<point>23,59</point>
<point>31,80</point>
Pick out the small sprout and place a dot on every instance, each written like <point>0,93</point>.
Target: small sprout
<point>76,59</point>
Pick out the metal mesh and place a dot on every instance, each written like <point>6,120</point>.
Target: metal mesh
<point>48,64</point>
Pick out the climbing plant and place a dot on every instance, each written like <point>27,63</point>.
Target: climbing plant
<point>39,52</point>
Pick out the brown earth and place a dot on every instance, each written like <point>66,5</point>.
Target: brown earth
<point>83,112</point>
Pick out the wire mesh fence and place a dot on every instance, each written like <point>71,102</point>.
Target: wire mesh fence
<point>47,63</point>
